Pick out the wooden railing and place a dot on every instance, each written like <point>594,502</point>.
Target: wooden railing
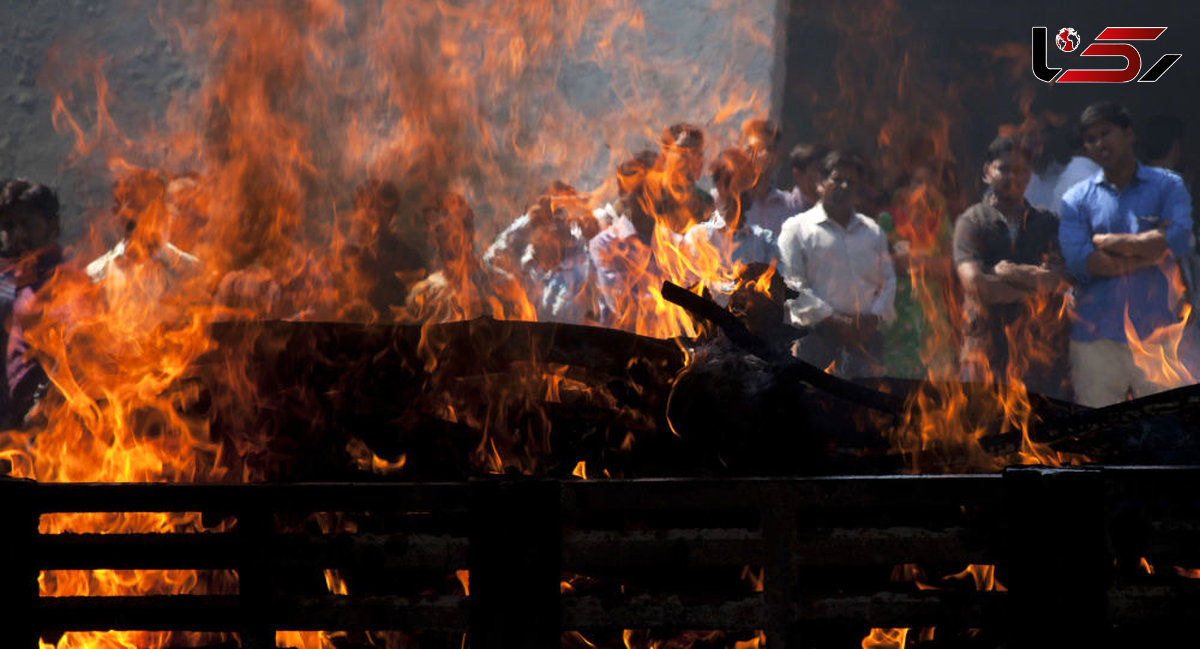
<point>1067,545</point>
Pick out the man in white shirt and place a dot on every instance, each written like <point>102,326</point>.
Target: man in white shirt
<point>1046,170</point>
<point>1080,168</point>
<point>837,260</point>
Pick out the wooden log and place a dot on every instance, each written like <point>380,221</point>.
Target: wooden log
<point>224,613</point>
<point>609,553</point>
<point>664,611</point>
<point>384,552</point>
<point>19,579</point>
<point>1055,557</point>
<point>148,613</point>
<point>891,546</point>
<point>833,492</point>
<point>788,368</point>
<point>781,559</point>
<point>515,565</point>
<point>317,386</point>
<point>908,609</point>
<point>482,344</point>
<point>228,498</point>
<point>1154,604</point>
<point>1109,430</point>
<point>613,552</point>
<point>373,613</point>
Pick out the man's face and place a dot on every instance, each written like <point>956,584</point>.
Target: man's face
<point>1034,140</point>
<point>808,179</point>
<point>840,188</point>
<point>30,232</point>
<point>763,153</point>
<point>1008,175</point>
<point>1107,144</point>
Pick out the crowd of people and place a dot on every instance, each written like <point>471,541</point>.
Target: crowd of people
<point>1051,278</point>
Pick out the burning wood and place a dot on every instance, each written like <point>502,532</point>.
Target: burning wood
<point>290,287</point>
<point>675,548</point>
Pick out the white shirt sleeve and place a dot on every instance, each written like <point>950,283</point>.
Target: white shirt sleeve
<point>807,309</point>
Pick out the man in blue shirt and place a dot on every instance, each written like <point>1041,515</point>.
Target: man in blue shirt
<point>1121,232</point>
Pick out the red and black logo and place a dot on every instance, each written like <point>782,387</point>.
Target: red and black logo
<point>1112,42</point>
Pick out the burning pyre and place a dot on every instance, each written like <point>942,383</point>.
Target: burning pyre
<point>262,200</point>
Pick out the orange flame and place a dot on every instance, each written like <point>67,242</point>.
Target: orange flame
<point>241,206</point>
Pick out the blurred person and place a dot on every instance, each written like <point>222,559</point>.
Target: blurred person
<point>918,343</point>
<point>1006,255</point>
<point>631,258</point>
<point>1122,232</point>
<point>554,270</point>
<point>462,288</point>
<point>558,201</point>
<point>727,233</point>
<point>545,250</point>
<point>29,213</point>
<point>768,207</point>
<point>1044,169</point>
<point>806,162</point>
<point>837,261</point>
<point>187,209</point>
<point>1163,143</point>
<point>675,200</point>
<point>1080,167</point>
<point>141,207</point>
<point>389,262</point>
<point>631,174</point>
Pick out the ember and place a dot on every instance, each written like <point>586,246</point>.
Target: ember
<point>396,243</point>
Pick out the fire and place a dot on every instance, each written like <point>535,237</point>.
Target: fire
<point>250,202</point>
<point>262,197</point>
<point>757,642</point>
<point>754,578</point>
<point>983,578</point>
<point>1157,355</point>
<point>885,639</point>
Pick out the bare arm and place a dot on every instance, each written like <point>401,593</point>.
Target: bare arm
<point>1033,278</point>
<point>1148,245</point>
<point>1106,264</point>
<point>988,287</point>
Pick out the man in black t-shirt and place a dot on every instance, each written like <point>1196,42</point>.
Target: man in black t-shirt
<point>1007,257</point>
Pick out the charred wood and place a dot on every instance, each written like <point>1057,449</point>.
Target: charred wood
<point>788,368</point>
<point>664,610</point>
<point>1155,429</point>
<point>222,613</point>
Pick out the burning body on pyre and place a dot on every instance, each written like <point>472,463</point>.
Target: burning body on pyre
<point>950,323</point>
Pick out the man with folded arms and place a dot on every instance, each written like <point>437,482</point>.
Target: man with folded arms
<point>1121,232</point>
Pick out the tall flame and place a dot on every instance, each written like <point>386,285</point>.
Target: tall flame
<point>242,204</point>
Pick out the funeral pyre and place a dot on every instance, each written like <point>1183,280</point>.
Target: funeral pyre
<point>290,286</point>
